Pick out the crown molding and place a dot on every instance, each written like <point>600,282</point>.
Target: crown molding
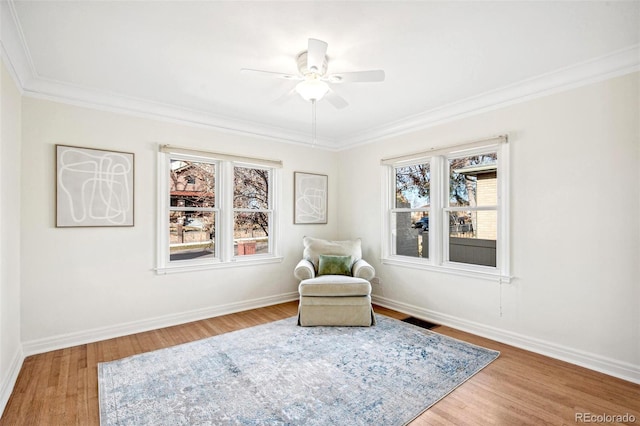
<point>615,64</point>
<point>15,54</point>
<point>56,91</point>
<point>13,49</point>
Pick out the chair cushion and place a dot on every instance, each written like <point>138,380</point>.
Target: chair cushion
<point>334,286</point>
<point>334,265</point>
<point>314,247</point>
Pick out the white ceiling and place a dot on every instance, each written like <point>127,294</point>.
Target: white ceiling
<point>181,59</point>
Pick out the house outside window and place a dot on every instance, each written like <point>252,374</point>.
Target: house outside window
<point>215,210</point>
<point>192,209</point>
<point>447,210</point>
<point>472,209</point>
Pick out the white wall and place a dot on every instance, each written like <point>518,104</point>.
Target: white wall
<point>10,348</point>
<point>81,284</point>
<point>575,233</point>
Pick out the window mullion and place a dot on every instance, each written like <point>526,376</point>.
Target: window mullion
<point>192,209</point>
<point>274,206</point>
<point>503,243</point>
<point>409,210</point>
<point>163,204</point>
<point>438,203</point>
<point>226,212</point>
<point>270,212</point>
<point>252,210</point>
<point>470,208</point>
<point>387,185</point>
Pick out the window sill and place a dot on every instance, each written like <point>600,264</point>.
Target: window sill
<point>233,263</point>
<point>485,273</point>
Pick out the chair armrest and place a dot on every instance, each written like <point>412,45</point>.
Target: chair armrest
<point>304,270</point>
<point>362,269</point>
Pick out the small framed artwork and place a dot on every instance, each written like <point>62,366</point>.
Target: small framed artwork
<point>310,198</point>
<point>94,187</point>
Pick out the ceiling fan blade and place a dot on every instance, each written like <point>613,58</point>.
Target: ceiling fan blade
<point>315,55</point>
<point>371,76</point>
<point>286,97</point>
<point>274,74</point>
<point>336,100</point>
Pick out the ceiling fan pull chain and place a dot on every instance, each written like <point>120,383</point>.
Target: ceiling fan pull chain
<point>313,122</point>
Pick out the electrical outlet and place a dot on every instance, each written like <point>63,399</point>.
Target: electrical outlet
<point>376,282</point>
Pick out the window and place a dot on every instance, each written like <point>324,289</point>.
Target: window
<point>192,209</point>
<point>215,210</point>
<point>410,215</point>
<point>447,210</point>
<point>472,209</point>
<point>252,212</point>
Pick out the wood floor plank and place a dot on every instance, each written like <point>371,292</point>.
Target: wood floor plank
<point>520,387</point>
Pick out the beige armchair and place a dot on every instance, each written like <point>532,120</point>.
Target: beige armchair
<point>335,286</point>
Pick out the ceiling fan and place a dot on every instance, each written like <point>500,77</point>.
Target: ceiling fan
<point>314,80</point>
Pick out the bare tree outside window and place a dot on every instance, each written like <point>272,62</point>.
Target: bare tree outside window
<point>410,218</point>
<point>413,185</point>
<point>252,210</point>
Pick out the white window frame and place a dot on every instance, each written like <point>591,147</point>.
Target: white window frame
<point>224,211</point>
<point>439,209</point>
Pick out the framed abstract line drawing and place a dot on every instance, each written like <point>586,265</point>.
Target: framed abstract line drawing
<point>310,198</point>
<point>93,187</point>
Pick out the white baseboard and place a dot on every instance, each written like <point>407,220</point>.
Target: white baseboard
<point>9,380</point>
<point>47,344</point>
<point>612,367</point>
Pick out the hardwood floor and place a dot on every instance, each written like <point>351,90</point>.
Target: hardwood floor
<point>520,387</point>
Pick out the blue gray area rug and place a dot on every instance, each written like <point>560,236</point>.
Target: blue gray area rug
<point>282,374</point>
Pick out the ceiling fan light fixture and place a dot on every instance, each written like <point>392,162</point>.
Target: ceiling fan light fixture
<point>312,89</point>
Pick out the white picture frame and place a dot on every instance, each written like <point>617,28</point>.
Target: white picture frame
<point>310,198</point>
<point>94,187</point>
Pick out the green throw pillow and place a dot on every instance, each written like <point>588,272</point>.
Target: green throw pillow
<point>334,265</point>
